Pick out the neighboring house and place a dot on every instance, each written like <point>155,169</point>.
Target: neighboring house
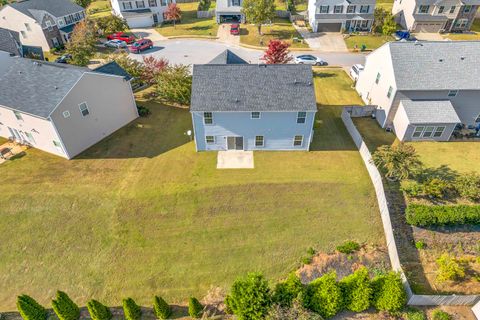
<point>244,106</point>
<point>10,43</point>
<point>423,89</point>
<point>435,15</point>
<point>141,13</point>
<point>229,11</point>
<point>341,15</point>
<point>42,23</point>
<point>59,108</point>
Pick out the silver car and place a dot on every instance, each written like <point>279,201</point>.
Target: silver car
<point>115,43</point>
<point>309,59</point>
<point>355,71</point>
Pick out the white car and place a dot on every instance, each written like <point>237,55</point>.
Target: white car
<point>115,43</point>
<point>355,71</point>
<point>309,59</point>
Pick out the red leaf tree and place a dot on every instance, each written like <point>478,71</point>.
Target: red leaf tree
<point>173,12</point>
<point>152,68</point>
<point>277,52</point>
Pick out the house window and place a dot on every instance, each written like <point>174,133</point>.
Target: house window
<point>377,80</point>
<point>338,9</point>
<point>461,23</point>
<point>236,3</point>
<point>441,9</point>
<point>24,34</point>
<point>298,141</point>
<point>127,5</point>
<point>389,93</point>
<point>452,9</point>
<point>428,132</point>
<point>18,115</point>
<point>66,114</point>
<point>164,2</point>
<point>27,26</point>
<point>364,24</point>
<point>30,137</point>
<point>417,132</point>
<point>57,145</point>
<point>255,115</point>
<point>467,9</point>
<point>49,25</point>
<point>140,4</point>
<point>207,118</point>
<point>152,3</point>
<point>210,139</point>
<point>61,22</point>
<point>259,141</point>
<point>364,9</point>
<point>351,9</point>
<point>301,116</point>
<point>324,9</point>
<point>84,109</point>
<point>423,9</point>
<point>438,131</point>
<point>452,93</point>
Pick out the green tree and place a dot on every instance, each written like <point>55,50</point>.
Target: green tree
<point>250,297</point>
<point>389,25</point>
<point>324,295</point>
<point>259,12</point>
<point>83,3</point>
<point>30,309</point>
<point>131,310</point>
<point>98,311</point>
<point>379,17</point>
<point>134,67</point>
<point>161,309</point>
<point>174,84</point>
<point>110,24</point>
<point>441,315</point>
<point>64,307</point>
<point>398,162</point>
<point>357,290</point>
<point>389,294</point>
<point>195,308</point>
<point>82,43</point>
<point>286,291</point>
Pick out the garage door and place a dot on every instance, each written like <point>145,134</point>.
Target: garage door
<point>428,27</point>
<point>230,18</point>
<point>329,27</point>
<point>140,22</point>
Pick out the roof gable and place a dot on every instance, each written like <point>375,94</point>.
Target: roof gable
<point>10,41</point>
<point>227,57</point>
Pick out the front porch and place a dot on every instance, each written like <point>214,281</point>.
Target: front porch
<point>358,24</point>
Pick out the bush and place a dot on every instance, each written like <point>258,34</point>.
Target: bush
<point>324,295</point>
<point>449,268</point>
<point>389,294</point>
<point>357,290</point>
<point>204,5</point>
<point>348,247</point>
<point>415,314</point>
<point>250,297</point>
<point>143,111</point>
<point>64,307</point>
<point>425,215</point>
<point>98,311</point>
<point>161,309</point>
<point>131,310</point>
<point>398,162</point>
<point>30,309</point>
<point>309,257</point>
<point>411,187</point>
<point>440,315</point>
<point>468,186</point>
<point>420,244</point>
<point>435,188</point>
<point>286,291</point>
<point>195,308</point>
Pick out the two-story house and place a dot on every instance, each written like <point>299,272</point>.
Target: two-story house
<point>435,15</point>
<point>423,90</point>
<point>229,11</point>
<point>140,13</point>
<point>341,15</point>
<point>43,23</point>
<point>241,106</point>
<point>10,43</point>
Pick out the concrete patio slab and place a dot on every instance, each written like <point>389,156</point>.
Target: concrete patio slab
<point>235,160</point>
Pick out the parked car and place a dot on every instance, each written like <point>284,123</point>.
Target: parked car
<point>235,29</point>
<point>123,36</point>
<point>64,59</point>
<point>309,59</point>
<point>140,45</point>
<point>403,35</point>
<point>115,43</point>
<point>355,71</point>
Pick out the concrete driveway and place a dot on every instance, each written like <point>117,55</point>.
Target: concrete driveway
<point>323,41</point>
<point>149,33</point>
<point>428,36</point>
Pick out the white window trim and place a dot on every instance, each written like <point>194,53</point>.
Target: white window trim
<point>17,114</point>
<point>66,114</point>
<point>204,122</point>
<point>422,133</point>
<point>389,92</point>
<point>301,141</point>
<point>304,118</point>
<point>210,143</point>
<point>452,93</point>
<point>263,142</point>
<point>259,115</point>
<point>80,108</point>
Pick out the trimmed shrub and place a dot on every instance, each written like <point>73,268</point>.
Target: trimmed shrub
<point>435,188</point>
<point>449,268</point>
<point>411,187</point>
<point>30,309</point>
<point>98,311</point>
<point>131,310</point>
<point>143,111</point>
<point>250,297</point>
<point>324,295</point>
<point>297,311</point>
<point>424,215</point>
<point>389,294</point>
<point>64,307</point>
<point>415,314</point>
<point>468,186</point>
<point>161,309</point>
<point>286,291</point>
<point>195,308</point>
<point>441,315</point>
<point>348,247</point>
<point>357,290</point>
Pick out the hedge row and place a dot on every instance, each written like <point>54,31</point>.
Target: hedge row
<point>425,215</point>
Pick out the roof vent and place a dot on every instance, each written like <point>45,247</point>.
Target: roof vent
<point>237,100</point>
<point>440,60</point>
<point>462,58</point>
<point>295,81</point>
<point>55,87</point>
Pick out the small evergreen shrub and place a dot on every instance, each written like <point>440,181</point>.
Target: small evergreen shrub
<point>411,187</point>
<point>98,311</point>
<point>449,268</point>
<point>195,308</point>
<point>357,290</point>
<point>286,291</point>
<point>424,215</point>
<point>348,247</point>
<point>161,308</point>
<point>388,292</point>
<point>441,315</point>
<point>415,314</point>
<point>420,244</point>
<point>131,310</point>
<point>64,307</point>
<point>324,295</point>
<point>30,309</point>
<point>143,111</point>
<point>309,257</point>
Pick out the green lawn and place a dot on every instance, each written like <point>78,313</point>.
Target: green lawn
<point>385,4</point>
<point>190,25</point>
<point>99,8</point>
<point>371,41</point>
<point>281,29</point>
<point>141,213</point>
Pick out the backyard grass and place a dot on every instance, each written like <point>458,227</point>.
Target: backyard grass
<point>98,9</point>
<point>190,25</point>
<point>141,213</point>
<point>280,29</point>
<point>371,41</point>
<point>385,4</point>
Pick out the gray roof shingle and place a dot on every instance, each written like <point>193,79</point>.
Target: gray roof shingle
<point>441,65</point>
<point>10,41</point>
<point>227,57</point>
<point>251,87</point>
<point>430,111</point>
<point>58,8</point>
<point>113,68</point>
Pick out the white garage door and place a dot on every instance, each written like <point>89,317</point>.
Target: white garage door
<point>428,27</point>
<point>140,22</point>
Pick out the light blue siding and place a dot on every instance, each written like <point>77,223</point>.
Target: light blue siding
<point>278,129</point>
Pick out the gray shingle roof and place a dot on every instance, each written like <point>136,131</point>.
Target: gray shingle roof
<point>227,57</point>
<point>441,65</point>
<point>10,41</point>
<point>430,112</point>
<point>58,8</point>
<point>113,68</point>
<point>343,16</point>
<point>249,87</point>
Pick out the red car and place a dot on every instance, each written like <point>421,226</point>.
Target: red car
<point>140,45</point>
<point>235,29</point>
<point>127,37</point>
